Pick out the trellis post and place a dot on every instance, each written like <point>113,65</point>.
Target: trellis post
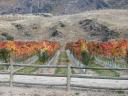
<point>68,77</point>
<point>11,73</point>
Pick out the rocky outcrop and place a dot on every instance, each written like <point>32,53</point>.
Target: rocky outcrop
<point>6,36</point>
<point>54,32</point>
<point>96,29</point>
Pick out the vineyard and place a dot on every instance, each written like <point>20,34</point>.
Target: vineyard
<point>21,49</point>
<point>30,52</point>
<point>111,48</point>
<point>80,60</point>
<point>110,54</point>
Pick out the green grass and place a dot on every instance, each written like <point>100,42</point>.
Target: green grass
<point>121,93</point>
<point>104,72</point>
<point>63,55</point>
<point>2,67</point>
<point>24,58</point>
<point>29,70</point>
<point>61,71</point>
<point>62,58</point>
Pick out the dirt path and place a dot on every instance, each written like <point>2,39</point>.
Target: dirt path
<point>62,60</point>
<point>53,61</point>
<point>16,91</point>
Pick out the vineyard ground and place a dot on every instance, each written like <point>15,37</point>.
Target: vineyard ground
<point>18,91</point>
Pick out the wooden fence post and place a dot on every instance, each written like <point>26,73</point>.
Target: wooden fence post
<point>68,77</point>
<point>127,55</point>
<point>11,73</point>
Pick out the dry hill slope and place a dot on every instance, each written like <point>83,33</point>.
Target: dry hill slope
<point>90,25</point>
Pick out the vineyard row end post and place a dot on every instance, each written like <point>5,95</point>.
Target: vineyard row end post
<point>68,77</point>
<point>11,73</point>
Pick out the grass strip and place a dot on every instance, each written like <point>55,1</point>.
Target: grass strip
<point>29,70</point>
<point>111,73</point>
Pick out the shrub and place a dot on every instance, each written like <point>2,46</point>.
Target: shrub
<point>42,55</point>
<point>7,36</point>
<point>5,55</point>
<point>86,57</point>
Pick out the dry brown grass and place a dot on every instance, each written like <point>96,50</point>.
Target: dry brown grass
<point>115,19</point>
